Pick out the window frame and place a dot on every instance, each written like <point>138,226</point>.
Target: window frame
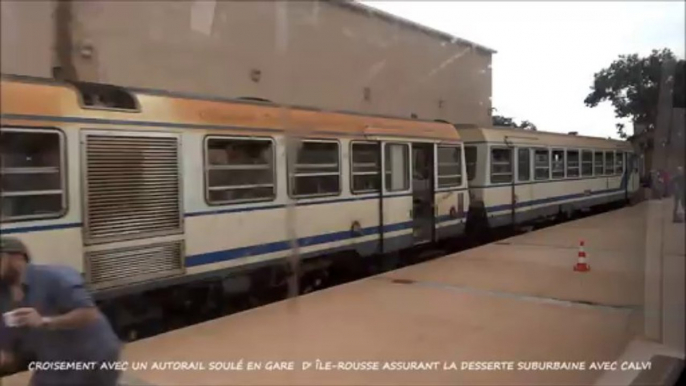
<point>549,167</point>
<point>291,181</point>
<point>490,164</point>
<point>438,164</point>
<point>578,163</point>
<point>206,170</point>
<point>352,167</point>
<point>466,163</point>
<point>595,163</point>
<point>530,163</point>
<point>564,164</point>
<point>63,169</point>
<point>408,167</point>
<point>612,170</point>
<point>582,162</point>
<point>620,156</point>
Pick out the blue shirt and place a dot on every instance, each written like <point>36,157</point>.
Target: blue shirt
<point>54,291</point>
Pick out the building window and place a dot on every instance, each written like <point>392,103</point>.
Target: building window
<point>365,168</point>
<point>501,166</point>
<point>598,162</point>
<point>609,162</point>
<point>541,164</point>
<point>572,163</point>
<point>449,166</point>
<point>619,163</point>
<point>558,164</point>
<point>523,164</point>
<point>396,160</point>
<point>239,170</point>
<point>587,163</point>
<point>32,174</point>
<point>470,160</point>
<point>317,170</point>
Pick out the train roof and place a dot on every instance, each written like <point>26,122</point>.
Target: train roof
<point>533,138</point>
<point>39,97</point>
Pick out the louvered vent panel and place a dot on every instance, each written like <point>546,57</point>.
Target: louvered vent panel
<point>134,264</point>
<point>133,186</point>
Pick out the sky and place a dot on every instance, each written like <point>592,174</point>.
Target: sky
<point>547,52</point>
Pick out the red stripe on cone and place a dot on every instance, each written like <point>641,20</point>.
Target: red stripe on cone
<point>581,264</point>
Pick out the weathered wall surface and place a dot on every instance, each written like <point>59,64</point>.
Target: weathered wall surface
<point>304,53</point>
<point>26,37</point>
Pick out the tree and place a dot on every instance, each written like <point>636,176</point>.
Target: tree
<point>526,125</point>
<point>632,84</point>
<point>499,120</point>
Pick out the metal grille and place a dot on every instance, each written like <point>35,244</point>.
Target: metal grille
<point>132,187</point>
<point>134,264</point>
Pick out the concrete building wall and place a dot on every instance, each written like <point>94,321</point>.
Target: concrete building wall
<point>321,54</point>
<point>26,37</point>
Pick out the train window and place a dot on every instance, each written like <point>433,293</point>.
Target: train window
<point>523,164</point>
<point>501,165</point>
<point>239,170</point>
<point>598,162</point>
<point>609,162</point>
<point>470,159</point>
<point>619,163</point>
<point>32,174</point>
<point>397,167</point>
<point>587,163</point>
<point>572,163</point>
<point>449,166</point>
<point>317,170</point>
<point>365,168</point>
<point>558,164</point>
<point>541,164</point>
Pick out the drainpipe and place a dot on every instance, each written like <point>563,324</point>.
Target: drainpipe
<point>64,45</point>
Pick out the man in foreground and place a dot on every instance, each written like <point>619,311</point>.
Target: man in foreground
<point>50,316</point>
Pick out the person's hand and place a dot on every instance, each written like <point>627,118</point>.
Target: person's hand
<point>28,317</point>
<point>6,361</point>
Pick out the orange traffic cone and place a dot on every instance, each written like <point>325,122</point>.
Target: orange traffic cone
<point>581,262</point>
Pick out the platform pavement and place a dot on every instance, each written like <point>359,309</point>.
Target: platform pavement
<point>665,295</point>
<point>515,300</point>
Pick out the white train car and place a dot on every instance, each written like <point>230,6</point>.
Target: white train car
<point>518,176</point>
<point>142,189</point>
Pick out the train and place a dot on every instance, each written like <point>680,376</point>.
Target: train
<point>166,200</point>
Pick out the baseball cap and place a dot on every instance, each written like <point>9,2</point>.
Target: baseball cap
<point>13,245</point>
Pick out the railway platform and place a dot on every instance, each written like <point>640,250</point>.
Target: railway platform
<point>515,301</point>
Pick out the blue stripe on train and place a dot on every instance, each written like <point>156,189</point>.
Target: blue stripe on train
<point>547,200</point>
<point>280,246</point>
<point>39,228</point>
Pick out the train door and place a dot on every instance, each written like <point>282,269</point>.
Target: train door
<point>132,206</point>
<point>396,204</point>
<point>423,216</point>
<point>523,186</point>
<point>631,175</point>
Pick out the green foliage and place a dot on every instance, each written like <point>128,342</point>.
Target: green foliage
<point>526,125</point>
<point>632,84</point>
<point>499,120</point>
